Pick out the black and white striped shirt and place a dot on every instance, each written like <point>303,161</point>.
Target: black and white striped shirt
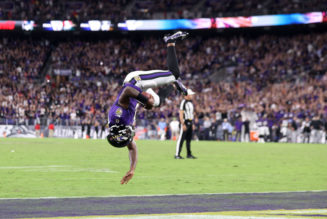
<point>188,108</point>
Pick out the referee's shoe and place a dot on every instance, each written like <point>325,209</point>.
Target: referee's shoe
<point>191,157</point>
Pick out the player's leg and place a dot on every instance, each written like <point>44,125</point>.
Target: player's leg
<point>173,70</point>
<point>188,137</point>
<point>157,78</point>
<point>150,79</point>
<point>172,63</point>
<point>179,143</point>
<point>172,58</point>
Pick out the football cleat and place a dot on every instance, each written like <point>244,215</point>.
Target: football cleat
<point>178,157</point>
<point>191,157</point>
<point>180,86</point>
<point>172,38</point>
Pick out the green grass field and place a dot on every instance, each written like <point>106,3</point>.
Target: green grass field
<point>68,167</point>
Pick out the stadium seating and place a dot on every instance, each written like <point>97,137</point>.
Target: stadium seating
<point>144,9</point>
<point>213,8</point>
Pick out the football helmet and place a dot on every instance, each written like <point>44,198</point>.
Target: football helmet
<point>120,135</point>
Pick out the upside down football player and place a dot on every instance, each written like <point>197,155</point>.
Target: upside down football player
<point>137,88</point>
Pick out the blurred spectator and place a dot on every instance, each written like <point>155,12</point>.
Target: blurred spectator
<point>37,130</point>
<point>174,127</point>
<point>213,134</point>
<point>227,129</point>
<point>306,130</point>
<point>238,129</point>
<point>51,130</point>
<point>316,133</point>
<point>206,126</point>
<point>162,125</point>
<point>214,8</point>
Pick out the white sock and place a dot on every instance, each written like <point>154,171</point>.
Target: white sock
<point>155,97</point>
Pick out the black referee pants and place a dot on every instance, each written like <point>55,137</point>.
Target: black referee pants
<point>185,135</point>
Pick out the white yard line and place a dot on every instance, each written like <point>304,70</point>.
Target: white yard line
<point>210,215</point>
<point>33,167</point>
<point>175,217</point>
<point>188,217</point>
<point>57,168</point>
<point>306,211</point>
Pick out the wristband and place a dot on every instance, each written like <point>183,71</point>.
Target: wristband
<point>142,99</point>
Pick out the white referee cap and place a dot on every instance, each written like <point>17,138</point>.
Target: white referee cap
<point>190,92</point>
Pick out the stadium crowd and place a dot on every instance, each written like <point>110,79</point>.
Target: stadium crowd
<point>213,8</point>
<point>82,10</point>
<point>269,81</point>
<point>118,10</point>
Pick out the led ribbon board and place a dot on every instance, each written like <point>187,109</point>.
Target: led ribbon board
<point>58,25</point>
<point>173,24</point>
<point>270,20</point>
<point>96,25</point>
<point>224,22</point>
<point>200,23</point>
<point>17,25</point>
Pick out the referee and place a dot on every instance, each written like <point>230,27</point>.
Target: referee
<point>186,116</point>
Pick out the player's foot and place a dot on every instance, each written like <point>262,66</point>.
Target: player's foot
<point>178,157</point>
<point>180,86</point>
<point>172,38</point>
<point>191,157</point>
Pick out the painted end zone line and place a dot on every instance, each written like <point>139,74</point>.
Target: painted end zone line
<point>162,195</point>
<point>245,205</point>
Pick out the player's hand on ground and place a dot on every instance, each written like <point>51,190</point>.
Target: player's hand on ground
<point>129,175</point>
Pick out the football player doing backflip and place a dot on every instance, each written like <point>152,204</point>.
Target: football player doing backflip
<point>137,88</point>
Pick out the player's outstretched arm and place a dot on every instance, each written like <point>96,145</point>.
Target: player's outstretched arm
<point>133,159</point>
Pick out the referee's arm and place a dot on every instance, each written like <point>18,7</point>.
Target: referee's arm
<point>181,118</point>
<point>193,125</point>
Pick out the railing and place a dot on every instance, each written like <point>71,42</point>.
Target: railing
<point>148,129</point>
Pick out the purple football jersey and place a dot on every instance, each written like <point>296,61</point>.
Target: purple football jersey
<point>120,116</point>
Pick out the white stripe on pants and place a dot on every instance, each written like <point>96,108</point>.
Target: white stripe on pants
<point>179,141</point>
<point>151,83</point>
